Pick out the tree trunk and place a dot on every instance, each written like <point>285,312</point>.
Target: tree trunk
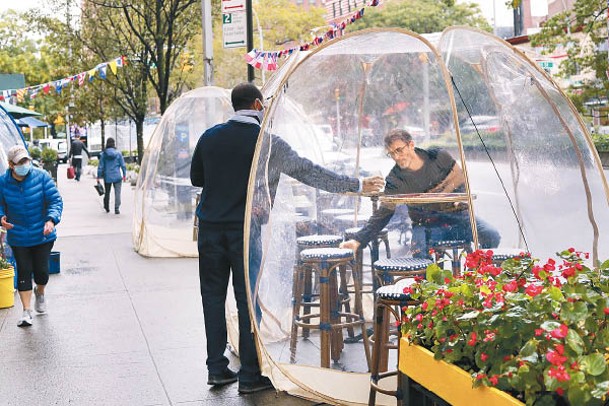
<point>139,130</point>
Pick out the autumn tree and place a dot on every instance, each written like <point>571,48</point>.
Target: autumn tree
<point>422,16</point>
<point>582,33</point>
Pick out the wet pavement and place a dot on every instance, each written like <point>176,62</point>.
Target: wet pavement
<point>120,329</point>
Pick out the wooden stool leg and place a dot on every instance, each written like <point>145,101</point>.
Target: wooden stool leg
<point>387,249</point>
<point>325,306</point>
<point>344,296</point>
<point>335,318</point>
<point>307,296</point>
<point>297,296</point>
<point>376,351</point>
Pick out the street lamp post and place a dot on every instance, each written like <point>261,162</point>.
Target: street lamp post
<point>337,96</point>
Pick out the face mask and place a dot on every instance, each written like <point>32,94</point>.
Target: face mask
<point>22,170</point>
<point>260,115</point>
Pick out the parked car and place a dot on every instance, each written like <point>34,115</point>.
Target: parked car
<point>486,124</point>
<point>58,145</point>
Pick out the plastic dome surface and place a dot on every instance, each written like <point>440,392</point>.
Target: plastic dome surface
<point>334,107</point>
<point>165,200</point>
<point>9,135</point>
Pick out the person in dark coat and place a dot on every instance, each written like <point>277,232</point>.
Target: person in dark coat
<point>76,150</point>
<point>113,171</point>
<point>30,208</point>
<point>221,165</point>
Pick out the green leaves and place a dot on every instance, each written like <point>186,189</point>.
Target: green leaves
<point>541,346</point>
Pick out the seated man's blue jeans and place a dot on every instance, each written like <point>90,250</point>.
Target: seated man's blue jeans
<point>450,227</point>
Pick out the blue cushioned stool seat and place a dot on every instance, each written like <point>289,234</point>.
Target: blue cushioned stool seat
<point>319,240</point>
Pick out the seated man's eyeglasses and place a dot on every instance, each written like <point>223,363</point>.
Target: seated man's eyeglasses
<point>396,152</point>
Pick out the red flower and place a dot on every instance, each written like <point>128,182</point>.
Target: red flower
<point>494,380</point>
<point>560,391</point>
<point>560,332</point>
<point>511,286</point>
<point>473,338</point>
<point>483,357</point>
<point>606,310</point>
<point>539,331</point>
<point>559,373</point>
<point>533,290</point>
<point>555,358</point>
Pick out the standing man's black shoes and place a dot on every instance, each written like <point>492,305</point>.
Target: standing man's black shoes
<point>223,378</point>
<point>263,383</point>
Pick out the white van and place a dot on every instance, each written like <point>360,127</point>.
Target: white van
<point>59,145</point>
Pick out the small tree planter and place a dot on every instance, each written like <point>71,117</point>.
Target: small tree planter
<point>426,379</point>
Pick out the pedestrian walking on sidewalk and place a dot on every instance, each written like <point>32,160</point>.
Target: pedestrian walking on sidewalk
<point>30,208</point>
<point>76,150</point>
<point>111,164</point>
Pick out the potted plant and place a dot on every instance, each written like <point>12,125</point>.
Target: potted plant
<point>48,156</point>
<point>538,331</point>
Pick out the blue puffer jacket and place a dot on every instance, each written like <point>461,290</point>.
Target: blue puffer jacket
<point>28,205</point>
<point>111,163</point>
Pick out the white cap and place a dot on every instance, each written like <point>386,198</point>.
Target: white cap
<point>17,153</point>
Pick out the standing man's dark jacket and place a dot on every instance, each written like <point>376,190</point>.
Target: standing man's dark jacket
<point>77,149</point>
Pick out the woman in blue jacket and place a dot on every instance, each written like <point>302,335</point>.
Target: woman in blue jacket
<point>30,208</point>
<point>111,163</point>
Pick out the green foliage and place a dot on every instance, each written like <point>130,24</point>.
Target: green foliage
<point>422,16</point>
<point>34,152</point>
<point>601,141</point>
<point>538,331</point>
<point>580,32</point>
<point>48,155</point>
<point>4,264</point>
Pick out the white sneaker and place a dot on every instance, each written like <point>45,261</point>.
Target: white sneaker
<point>26,319</point>
<point>40,304</point>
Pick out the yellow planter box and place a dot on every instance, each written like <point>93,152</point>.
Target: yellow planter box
<point>448,381</point>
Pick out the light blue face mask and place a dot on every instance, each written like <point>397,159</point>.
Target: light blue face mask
<point>23,170</point>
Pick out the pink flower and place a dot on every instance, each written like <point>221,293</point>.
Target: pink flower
<point>483,357</point>
<point>560,332</point>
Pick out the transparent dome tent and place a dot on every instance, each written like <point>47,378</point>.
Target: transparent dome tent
<point>530,171</point>
<point>9,135</point>
<point>165,200</point>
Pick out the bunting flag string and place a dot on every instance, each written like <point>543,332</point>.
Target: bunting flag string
<point>99,71</point>
<point>268,60</point>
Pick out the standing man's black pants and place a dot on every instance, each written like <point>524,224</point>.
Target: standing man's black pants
<point>220,251</point>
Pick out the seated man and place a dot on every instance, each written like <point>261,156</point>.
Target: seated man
<point>425,171</point>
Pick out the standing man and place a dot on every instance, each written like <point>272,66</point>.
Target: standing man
<point>76,150</point>
<point>30,208</point>
<point>221,166</point>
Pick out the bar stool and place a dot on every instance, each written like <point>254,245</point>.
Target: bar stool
<point>327,218</point>
<point>326,264</point>
<point>503,254</point>
<point>390,299</point>
<point>389,270</point>
<point>383,236</point>
<point>306,242</point>
<point>450,249</point>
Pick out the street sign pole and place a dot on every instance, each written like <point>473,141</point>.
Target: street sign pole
<point>250,38</point>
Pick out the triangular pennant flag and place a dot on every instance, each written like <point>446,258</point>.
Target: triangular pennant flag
<point>91,75</point>
<point>20,94</point>
<point>46,88</point>
<point>58,86</point>
<point>102,71</point>
<point>81,78</point>
<point>113,66</point>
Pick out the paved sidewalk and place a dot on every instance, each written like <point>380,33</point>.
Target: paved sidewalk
<point>120,329</point>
